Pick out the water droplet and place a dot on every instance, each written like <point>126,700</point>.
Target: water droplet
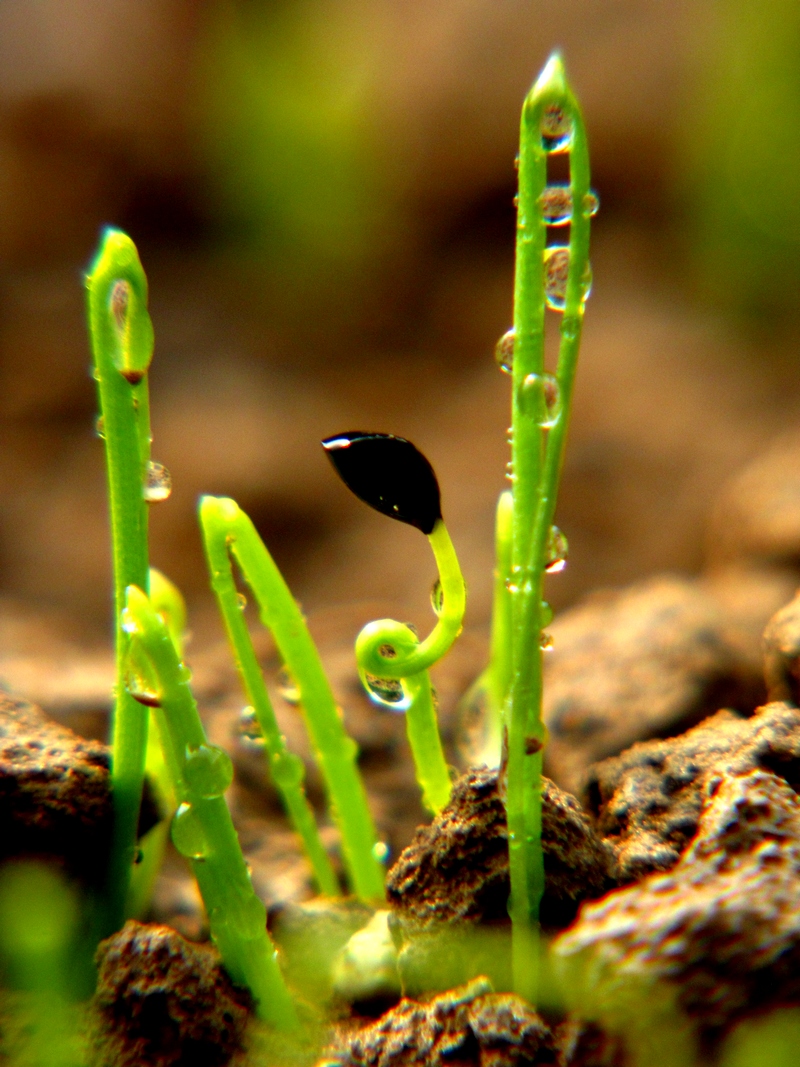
<point>138,856</point>
<point>539,395</point>
<point>437,597</point>
<point>100,427</point>
<point>288,688</point>
<point>388,693</point>
<point>380,850</point>
<point>241,600</point>
<point>158,483</point>
<point>556,204</point>
<point>208,770</point>
<point>546,642</point>
<point>504,352</point>
<point>556,272</point>
<point>118,303</point>
<point>516,201</point>
<point>184,673</point>
<point>591,204</point>
<point>249,726</point>
<point>556,552</point>
<point>556,127</point>
<point>288,770</point>
<point>188,835</point>
<point>143,689</point>
<point>510,435</point>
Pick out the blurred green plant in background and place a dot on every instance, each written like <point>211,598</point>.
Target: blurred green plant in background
<point>742,182</point>
<point>294,155</point>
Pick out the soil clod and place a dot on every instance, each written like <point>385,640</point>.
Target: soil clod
<point>165,1002</point>
<point>719,935</point>
<point>469,1026</point>
<point>647,661</point>
<point>456,869</point>
<point>648,800</point>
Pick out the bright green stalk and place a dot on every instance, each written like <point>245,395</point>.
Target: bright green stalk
<point>224,523</point>
<point>166,600</point>
<point>390,649</point>
<point>122,346</point>
<point>537,453</point>
<point>202,829</point>
<point>286,768</point>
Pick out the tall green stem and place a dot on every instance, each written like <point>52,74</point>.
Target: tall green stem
<point>122,346</point>
<point>334,750</point>
<point>539,429</point>
<point>202,829</point>
<point>285,767</point>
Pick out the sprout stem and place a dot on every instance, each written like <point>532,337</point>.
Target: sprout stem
<point>225,524</point>
<point>286,768</point>
<point>537,453</point>
<point>236,916</point>
<point>390,649</point>
<point>122,346</point>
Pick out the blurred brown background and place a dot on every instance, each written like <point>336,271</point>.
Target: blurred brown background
<point>321,191</point>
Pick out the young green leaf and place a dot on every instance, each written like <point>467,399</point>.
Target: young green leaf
<point>388,473</point>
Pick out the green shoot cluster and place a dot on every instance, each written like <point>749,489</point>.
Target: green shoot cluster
<point>192,776</point>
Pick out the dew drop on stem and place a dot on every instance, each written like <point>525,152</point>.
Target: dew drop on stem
<point>188,835</point>
<point>556,273</point>
<point>540,397</point>
<point>288,688</point>
<point>556,204</point>
<point>158,483</point>
<point>546,641</point>
<point>556,127</point>
<point>249,726</point>
<point>100,427</point>
<point>504,352</point>
<point>387,693</point>
<point>380,850</point>
<point>142,690</point>
<point>288,770</point>
<point>556,554</point>
<point>208,770</point>
<point>241,600</point>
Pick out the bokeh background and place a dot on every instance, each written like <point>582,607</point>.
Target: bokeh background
<point>321,191</point>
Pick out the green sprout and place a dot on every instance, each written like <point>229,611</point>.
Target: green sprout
<point>202,829</point>
<point>394,477</point>
<point>558,277</point>
<point>122,347</point>
<point>228,532</point>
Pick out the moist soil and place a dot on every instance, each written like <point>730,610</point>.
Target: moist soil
<point>671,840</point>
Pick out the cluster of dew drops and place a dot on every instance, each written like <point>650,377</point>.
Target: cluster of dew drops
<point>556,207</point>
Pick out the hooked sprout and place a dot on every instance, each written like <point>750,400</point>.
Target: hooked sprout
<point>122,347</point>
<point>228,532</point>
<point>202,829</point>
<point>394,477</point>
<point>557,277</point>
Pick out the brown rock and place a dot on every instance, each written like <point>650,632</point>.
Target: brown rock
<point>718,937</point>
<point>468,1027</point>
<point>55,799</point>
<point>647,661</point>
<point>163,1001</point>
<point>648,800</point>
<point>456,869</point>
<point>782,653</point>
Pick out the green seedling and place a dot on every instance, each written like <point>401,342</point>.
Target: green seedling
<point>394,477</point>
<point>122,347</point>
<point>166,599</point>
<point>229,533</point>
<point>202,829</point>
<point>555,276</point>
